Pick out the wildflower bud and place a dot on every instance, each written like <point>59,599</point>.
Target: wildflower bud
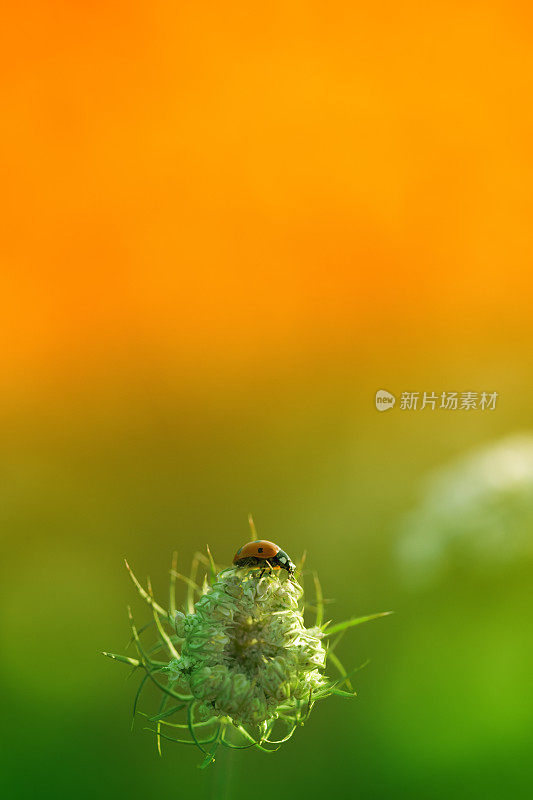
<point>242,664</point>
<point>246,649</point>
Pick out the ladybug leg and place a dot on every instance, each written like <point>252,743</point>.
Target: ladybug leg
<point>264,569</point>
<point>268,567</point>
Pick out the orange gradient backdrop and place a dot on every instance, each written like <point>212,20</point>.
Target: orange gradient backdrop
<point>224,227</point>
<point>203,185</point>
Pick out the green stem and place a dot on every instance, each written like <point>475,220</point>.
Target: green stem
<point>224,773</point>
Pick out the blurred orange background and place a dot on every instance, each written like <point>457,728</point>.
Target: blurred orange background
<point>202,187</point>
<point>224,227</point>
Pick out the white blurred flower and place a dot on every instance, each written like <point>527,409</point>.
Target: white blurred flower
<point>478,510</point>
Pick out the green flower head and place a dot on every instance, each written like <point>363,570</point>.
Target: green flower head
<point>246,650</point>
<point>242,668</point>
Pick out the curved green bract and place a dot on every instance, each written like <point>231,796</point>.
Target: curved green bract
<point>199,707</point>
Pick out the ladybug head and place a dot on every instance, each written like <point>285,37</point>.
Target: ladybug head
<point>283,561</point>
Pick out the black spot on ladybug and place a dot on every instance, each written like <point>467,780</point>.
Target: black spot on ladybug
<point>259,549</point>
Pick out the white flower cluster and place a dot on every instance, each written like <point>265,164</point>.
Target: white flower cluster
<point>246,650</point>
<point>478,509</point>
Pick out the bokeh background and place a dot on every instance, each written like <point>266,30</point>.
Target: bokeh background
<point>225,226</point>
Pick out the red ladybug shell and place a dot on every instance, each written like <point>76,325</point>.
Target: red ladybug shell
<point>260,549</point>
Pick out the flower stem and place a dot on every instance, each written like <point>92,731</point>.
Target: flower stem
<point>224,774</point>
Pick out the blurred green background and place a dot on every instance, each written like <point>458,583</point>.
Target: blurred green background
<point>444,706</point>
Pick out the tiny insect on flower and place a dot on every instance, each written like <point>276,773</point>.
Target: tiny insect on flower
<point>265,554</point>
<point>242,669</point>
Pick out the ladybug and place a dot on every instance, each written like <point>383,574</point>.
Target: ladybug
<point>265,554</point>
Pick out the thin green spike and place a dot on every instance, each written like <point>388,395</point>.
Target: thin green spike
<point>141,630</point>
<point>237,746</point>
<point>212,567</point>
<point>252,528</point>
<point>203,724</point>
<point>202,559</point>
<point>162,704</point>
<point>314,609</point>
<point>144,658</point>
<point>191,724</point>
<point>168,713</point>
<point>132,672</point>
<point>350,623</point>
<point>302,561</point>
<point>337,662</point>
<point>158,665</point>
<point>163,634</point>
<point>159,646</point>
<point>158,738</point>
<point>134,662</point>
<point>250,738</point>
<point>144,594</point>
<point>319,601</point>
<point>191,584</point>
<point>232,746</point>
<point>166,689</point>
<point>210,757</point>
<point>328,689</point>
<point>333,646</point>
<point>205,763</point>
<point>309,705</point>
<point>136,700</point>
<point>172,586</point>
<point>180,741</point>
<point>285,738</point>
<point>341,693</point>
